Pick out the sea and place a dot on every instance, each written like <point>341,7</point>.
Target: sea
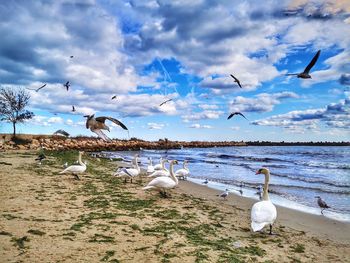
<point>298,173</point>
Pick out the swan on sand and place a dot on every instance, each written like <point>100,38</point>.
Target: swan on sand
<point>76,169</point>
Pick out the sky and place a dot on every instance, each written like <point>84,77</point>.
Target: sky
<point>146,52</point>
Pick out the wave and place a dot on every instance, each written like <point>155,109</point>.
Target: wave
<point>325,165</point>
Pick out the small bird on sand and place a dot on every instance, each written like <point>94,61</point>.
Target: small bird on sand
<point>62,132</point>
<point>43,86</point>
<point>224,194</point>
<point>205,182</point>
<point>305,74</point>
<point>73,108</point>
<point>40,158</point>
<point>322,204</point>
<point>236,80</point>
<point>67,85</point>
<point>96,125</point>
<point>236,113</point>
<point>114,97</point>
<point>165,102</point>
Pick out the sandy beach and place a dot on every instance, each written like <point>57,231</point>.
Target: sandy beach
<point>47,217</point>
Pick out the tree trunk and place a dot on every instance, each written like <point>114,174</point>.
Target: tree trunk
<point>14,129</point>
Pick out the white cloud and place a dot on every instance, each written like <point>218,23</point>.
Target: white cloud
<point>198,126</point>
<point>207,114</point>
<point>155,126</point>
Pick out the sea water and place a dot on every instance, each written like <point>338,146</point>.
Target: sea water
<point>298,173</point>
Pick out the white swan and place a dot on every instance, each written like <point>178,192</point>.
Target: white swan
<point>163,172</point>
<point>183,172</point>
<point>160,165</point>
<point>129,172</point>
<point>163,183</point>
<point>150,167</point>
<point>76,169</point>
<point>264,212</point>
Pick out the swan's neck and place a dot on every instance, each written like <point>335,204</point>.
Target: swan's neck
<point>184,165</point>
<point>172,173</point>
<point>150,162</point>
<point>163,165</point>
<point>137,164</point>
<point>265,196</point>
<point>80,161</point>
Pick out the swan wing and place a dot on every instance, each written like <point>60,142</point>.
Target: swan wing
<point>74,169</point>
<point>162,182</point>
<point>101,135</point>
<point>263,213</point>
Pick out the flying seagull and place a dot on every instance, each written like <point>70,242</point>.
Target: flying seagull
<point>236,113</point>
<point>305,74</point>
<point>165,102</point>
<point>73,108</point>
<point>67,85</point>
<point>236,80</point>
<point>322,204</point>
<point>96,125</point>
<point>43,86</point>
<point>71,56</point>
<point>62,132</point>
<point>114,97</point>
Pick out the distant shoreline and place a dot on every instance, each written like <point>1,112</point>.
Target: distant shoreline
<point>55,142</point>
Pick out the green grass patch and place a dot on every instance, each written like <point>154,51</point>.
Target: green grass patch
<point>4,233</point>
<point>298,248</point>
<point>19,242</point>
<point>109,254</point>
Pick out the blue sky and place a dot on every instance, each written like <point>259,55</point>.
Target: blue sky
<point>148,51</point>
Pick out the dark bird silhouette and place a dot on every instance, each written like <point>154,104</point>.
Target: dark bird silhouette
<point>236,113</point>
<point>322,204</point>
<point>63,132</point>
<point>165,102</point>
<point>67,85</point>
<point>43,86</point>
<point>71,56</point>
<point>205,182</point>
<point>73,108</point>
<point>305,74</point>
<point>96,125</point>
<point>236,80</point>
<point>40,158</point>
<point>114,97</point>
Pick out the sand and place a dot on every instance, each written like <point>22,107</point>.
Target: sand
<point>47,217</point>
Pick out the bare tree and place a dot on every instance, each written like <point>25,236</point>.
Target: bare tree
<point>12,106</point>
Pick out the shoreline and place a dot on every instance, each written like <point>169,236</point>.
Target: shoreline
<point>49,217</point>
<point>315,225</point>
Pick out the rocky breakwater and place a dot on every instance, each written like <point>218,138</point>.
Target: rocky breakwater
<point>93,144</point>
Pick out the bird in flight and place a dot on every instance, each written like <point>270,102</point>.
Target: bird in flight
<point>236,80</point>
<point>73,108</point>
<point>114,97</point>
<point>305,74</point>
<point>96,125</point>
<point>165,102</point>
<point>71,56</point>
<point>236,113</point>
<point>43,86</point>
<point>67,85</point>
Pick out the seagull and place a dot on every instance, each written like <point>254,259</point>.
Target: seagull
<point>67,85</point>
<point>96,125</point>
<point>236,113</point>
<point>63,132</point>
<point>71,56</point>
<point>114,97</point>
<point>40,158</point>
<point>224,194</point>
<point>322,204</point>
<point>236,80</point>
<point>165,102</point>
<point>43,86</point>
<point>305,74</point>
<point>205,182</point>
<point>73,108</point>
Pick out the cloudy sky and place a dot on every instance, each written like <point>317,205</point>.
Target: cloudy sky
<point>146,52</point>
